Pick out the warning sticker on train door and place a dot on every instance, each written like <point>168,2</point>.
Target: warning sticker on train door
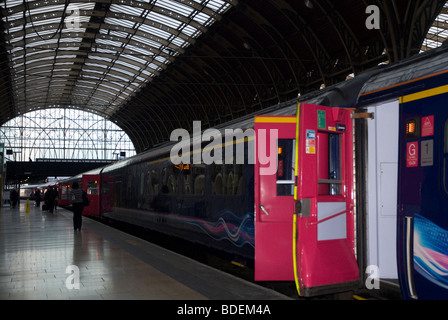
<point>428,126</point>
<point>412,155</point>
<point>427,153</point>
<point>310,142</point>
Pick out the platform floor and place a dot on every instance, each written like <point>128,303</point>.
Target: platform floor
<point>36,248</point>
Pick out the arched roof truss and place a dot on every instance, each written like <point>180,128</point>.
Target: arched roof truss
<point>152,66</point>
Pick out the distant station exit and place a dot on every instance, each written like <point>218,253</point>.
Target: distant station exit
<point>305,219</point>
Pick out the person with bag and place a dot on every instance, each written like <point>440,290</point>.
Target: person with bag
<point>77,195</point>
<point>37,196</point>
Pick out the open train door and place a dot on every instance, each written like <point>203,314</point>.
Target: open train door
<point>274,197</point>
<point>325,258</point>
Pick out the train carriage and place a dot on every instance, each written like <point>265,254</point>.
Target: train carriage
<point>90,182</point>
<point>406,146</point>
<point>333,186</point>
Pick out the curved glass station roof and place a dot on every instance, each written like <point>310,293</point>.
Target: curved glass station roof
<point>96,55</point>
<point>103,56</point>
<point>438,33</point>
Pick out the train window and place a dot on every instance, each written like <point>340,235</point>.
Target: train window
<point>286,167</point>
<point>154,181</point>
<point>142,183</point>
<point>92,187</point>
<point>105,187</point>
<point>198,179</point>
<point>227,179</point>
<point>329,164</point>
<point>233,179</point>
<point>170,180</point>
<point>64,190</point>
<point>172,183</point>
<point>186,182</point>
<point>217,179</point>
<point>194,182</point>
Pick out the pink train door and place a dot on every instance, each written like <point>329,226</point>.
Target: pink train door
<point>274,197</point>
<point>325,257</point>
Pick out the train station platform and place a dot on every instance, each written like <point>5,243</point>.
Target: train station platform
<point>43,258</point>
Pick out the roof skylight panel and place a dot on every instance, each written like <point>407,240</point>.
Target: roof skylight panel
<point>122,8</point>
<point>175,6</point>
<point>12,3</point>
<point>155,31</point>
<point>128,65</point>
<point>100,58</point>
<point>163,20</point>
<point>179,42</point>
<point>39,59</point>
<point>106,88</point>
<point>41,20</point>
<point>132,50</point>
<point>119,34</point>
<point>118,24</point>
<point>190,31</point>
<point>105,50</point>
<point>215,5</point>
<point>39,43</point>
<point>95,68</point>
<point>204,19</point>
<point>146,41</point>
<point>109,43</point>
<point>118,70</point>
<point>35,9</point>
<point>132,59</point>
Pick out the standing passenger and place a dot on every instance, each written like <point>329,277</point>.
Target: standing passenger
<point>76,197</point>
<point>49,199</point>
<point>14,197</point>
<point>56,199</point>
<point>37,197</point>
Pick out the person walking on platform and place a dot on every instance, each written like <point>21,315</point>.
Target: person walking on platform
<point>56,199</point>
<point>37,197</point>
<point>14,197</point>
<point>78,206</point>
<point>49,199</point>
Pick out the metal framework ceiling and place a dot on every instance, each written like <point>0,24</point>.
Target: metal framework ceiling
<point>152,66</point>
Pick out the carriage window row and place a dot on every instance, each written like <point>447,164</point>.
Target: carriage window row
<point>226,179</point>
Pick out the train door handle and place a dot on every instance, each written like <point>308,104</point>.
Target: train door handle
<point>264,210</point>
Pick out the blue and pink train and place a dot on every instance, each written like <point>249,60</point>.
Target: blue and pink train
<point>361,180</point>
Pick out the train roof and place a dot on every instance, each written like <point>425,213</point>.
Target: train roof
<point>397,79</point>
<point>383,82</point>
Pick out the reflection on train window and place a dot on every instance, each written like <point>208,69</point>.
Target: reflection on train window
<point>186,183</point>
<point>170,180</point>
<point>142,183</point>
<point>105,187</point>
<point>227,179</point>
<point>64,192</point>
<point>194,180</point>
<point>217,179</point>
<point>92,187</point>
<point>154,181</point>
<point>286,167</point>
